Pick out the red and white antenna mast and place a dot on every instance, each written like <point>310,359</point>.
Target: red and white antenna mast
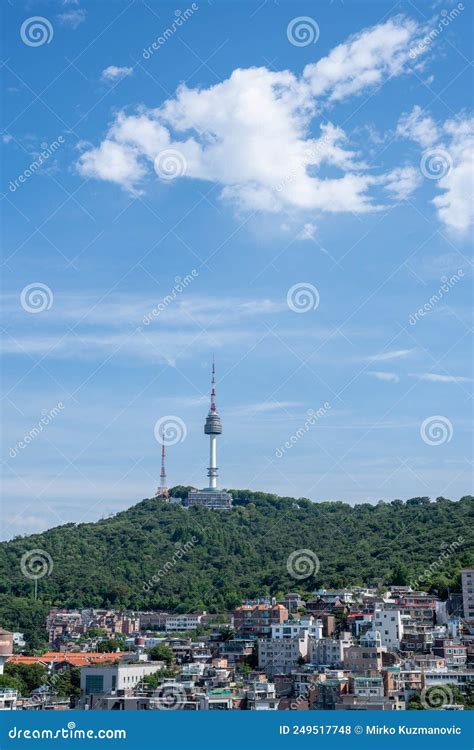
<point>162,490</point>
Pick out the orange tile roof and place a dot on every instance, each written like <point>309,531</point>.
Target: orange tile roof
<point>74,658</point>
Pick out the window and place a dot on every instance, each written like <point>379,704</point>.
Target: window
<point>94,684</point>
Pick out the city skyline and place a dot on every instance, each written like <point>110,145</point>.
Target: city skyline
<point>235,189</point>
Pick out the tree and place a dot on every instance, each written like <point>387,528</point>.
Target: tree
<point>6,681</point>
<point>110,644</point>
<point>30,676</point>
<point>67,682</point>
<point>161,652</point>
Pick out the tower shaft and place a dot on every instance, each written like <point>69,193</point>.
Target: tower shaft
<point>213,428</point>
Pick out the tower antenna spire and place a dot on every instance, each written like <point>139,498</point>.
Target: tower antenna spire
<point>213,387</point>
<point>162,490</point>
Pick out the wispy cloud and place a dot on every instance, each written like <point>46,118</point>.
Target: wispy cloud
<point>432,377</point>
<point>113,73</point>
<point>389,377</point>
<point>386,356</point>
<point>72,18</point>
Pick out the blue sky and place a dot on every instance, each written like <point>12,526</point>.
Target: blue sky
<point>285,185</point>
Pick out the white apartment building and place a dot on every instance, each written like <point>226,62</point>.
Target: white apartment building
<point>329,652</point>
<point>298,627</point>
<point>177,623</point>
<point>106,678</point>
<point>261,696</point>
<point>8,698</point>
<point>467,578</point>
<point>388,622</point>
<point>281,655</point>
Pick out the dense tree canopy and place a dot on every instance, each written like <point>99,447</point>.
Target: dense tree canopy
<point>161,556</point>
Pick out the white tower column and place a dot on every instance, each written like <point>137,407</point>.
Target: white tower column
<point>213,462</point>
<point>213,428</point>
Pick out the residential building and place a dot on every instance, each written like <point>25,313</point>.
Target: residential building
<point>467,580</point>
<point>257,619</point>
<point>100,678</point>
<point>178,623</point>
<point>280,655</point>
<point>388,622</point>
<point>329,651</point>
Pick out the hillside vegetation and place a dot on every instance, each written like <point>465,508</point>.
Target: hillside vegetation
<point>210,560</point>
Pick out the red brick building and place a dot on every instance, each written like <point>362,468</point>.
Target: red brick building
<point>257,619</point>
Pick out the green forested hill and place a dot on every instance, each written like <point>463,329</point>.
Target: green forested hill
<point>238,553</point>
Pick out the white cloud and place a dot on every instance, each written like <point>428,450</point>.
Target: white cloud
<point>403,181</point>
<point>364,60</point>
<point>308,232</point>
<point>418,127</point>
<point>72,18</point>
<point>116,327</point>
<point>456,204</point>
<point>385,356</point>
<point>389,377</point>
<point>452,144</point>
<point>113,73</point>
<point>113,162</point>
<point>432,377</point>
<point>251,134</point>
